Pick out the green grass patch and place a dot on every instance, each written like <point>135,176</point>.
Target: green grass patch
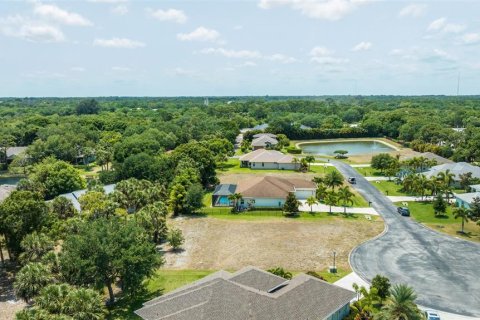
<point>423,212</point>
<point>389,188</point>
<point>369,172</point>
<point>163,281</point>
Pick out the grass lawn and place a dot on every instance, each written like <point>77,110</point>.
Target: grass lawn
<point>369,172</point>
<point>389,188</point>
<point>233,166</point>
<point>423,213</point>
<point>164,281</point>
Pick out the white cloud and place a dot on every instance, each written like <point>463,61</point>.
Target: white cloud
<point>413,10</point>
<point>441,25</point>
<point>362,46</point>
<point>108,1</point>
<point>278,57</point>
<point>471,38</point>
<point>172,15</point>
<point>77,69</point>
<point>27,29</point>
<point>437,24</point>
<point>199,34</point>
<point>118,43</point>
<point>319,9</point>
<point>121,69</point>
<point>120,10</point>
<point>238,27</point>
<point>320,51</point>
<point>57,14</point>
<point>324,56</point>
<point>241,54</point>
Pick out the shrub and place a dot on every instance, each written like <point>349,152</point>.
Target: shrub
<point>294,150</point>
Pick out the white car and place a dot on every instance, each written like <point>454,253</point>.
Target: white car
<point>432,315</point>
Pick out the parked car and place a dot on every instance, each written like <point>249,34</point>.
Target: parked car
<point>352,180</point>
<point>431,315</point>
<point>403,211</point>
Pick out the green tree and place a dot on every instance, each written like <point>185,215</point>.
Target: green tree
<point>63,208</point>
<point>6,141</point>
<point>446,178</point>
<point>62,301</point>
<point>382,161</point>
<point>57,177</point>
<point>310,159</point>
<point>23,212</point>
<point>346,197</point>
<point>463,214</point>
<point>400,305</point>
<point>311,201</point>
<point>439,205</point>
<point>88,106</point>
<point>153,219</point>
<point>200,158</point>
<point>340,154</point>
<point>382,284</point>
<point>175,238</point>
<point>278,271</point>
<point>96,204</point>
<point>331,199</point>
<point>105,251</point>
<point>31,279</point>
<point>236,198</point>
<point>321,192</point>
<point>333,179</point>
<point>291,204</point>
<point>194,198</point>
<point>475,209</point>
<point>34,247</point>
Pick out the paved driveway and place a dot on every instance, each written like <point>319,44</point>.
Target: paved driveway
<point>444,271</point>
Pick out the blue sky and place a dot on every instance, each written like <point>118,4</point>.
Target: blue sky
<point>257,47</point>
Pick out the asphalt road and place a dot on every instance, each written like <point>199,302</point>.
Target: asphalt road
<point>444,271</point>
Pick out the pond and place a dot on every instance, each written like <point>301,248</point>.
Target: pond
<point>353,147</point>
<point>10,180</point>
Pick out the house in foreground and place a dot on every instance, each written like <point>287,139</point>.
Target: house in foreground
<point>251,293</point>
<point>465,200</point>
<point>263,192</point>
<point>268,159</point>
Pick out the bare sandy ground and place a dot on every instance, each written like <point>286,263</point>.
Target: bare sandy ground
<point>295,245</point>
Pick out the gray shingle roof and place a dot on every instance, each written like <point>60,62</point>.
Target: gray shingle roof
<point>73,196</point>
<point>14,151</point>
<point>455,168</point>
<point>263,141</point>
<point>224,189</point>
<point>226,296</point>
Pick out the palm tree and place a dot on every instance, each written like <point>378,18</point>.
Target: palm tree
<point>84,304</point>
<point>31,279</point>
<point>434,185</point>
<point>462,213</point>
<point>421,184</point>
<point>333,179</point>
<point>35,246</point>
<point>321,192</point>
<point>311,201</point>
<point>346,197</point>
<point>236,198</point>
<point>331,199</point>
<point>408,183</point>
<point>446,177</point>
<point>318,180</point>
<point>310,159</point>
<point>400,305</point>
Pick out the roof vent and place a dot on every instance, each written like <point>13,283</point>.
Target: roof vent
<point>278,287</point>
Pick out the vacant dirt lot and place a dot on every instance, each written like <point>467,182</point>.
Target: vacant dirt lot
<point>295,245</point>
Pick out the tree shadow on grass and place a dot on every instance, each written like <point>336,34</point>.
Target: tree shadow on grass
<point>125,305</point>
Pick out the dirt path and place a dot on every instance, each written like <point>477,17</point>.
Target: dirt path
<point>295,245</point>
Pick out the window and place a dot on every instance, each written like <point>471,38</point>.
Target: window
<point>263,164</point>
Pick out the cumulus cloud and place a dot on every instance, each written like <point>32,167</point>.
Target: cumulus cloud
<point>27,29</point>
<point>55,13</point>
<point>108,1</point>
<point>120,10</point>
<point>471,38</point>
<point>242,54</point>
<point>118,43</point>
<point>319,9</point>
<point>281,58</point>
<point>441,25</point>
<point>173,15</point>
<point>362,46</point>
<point>199,34</point>
<point>413,10</point>
<point>324,56</point>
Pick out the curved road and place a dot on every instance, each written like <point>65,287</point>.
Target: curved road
<point>444,271</point>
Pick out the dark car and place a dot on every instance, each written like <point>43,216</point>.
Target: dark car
<point>352,180</point>
<point>403,211</point>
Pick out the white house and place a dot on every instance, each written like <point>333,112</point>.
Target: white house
<point>263,192</point>
<point>465,199</point>
<point>268,159</point>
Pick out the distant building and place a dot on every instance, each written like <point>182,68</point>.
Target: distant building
<point>430,156</point>
<point>268,159</point>
<point>263,192</point>
<point>12,152</point>
<point>75,195</point>
<point>457,168</point>
<point>464,200</point>
<point>251,293</point>
<point>264,140</point>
